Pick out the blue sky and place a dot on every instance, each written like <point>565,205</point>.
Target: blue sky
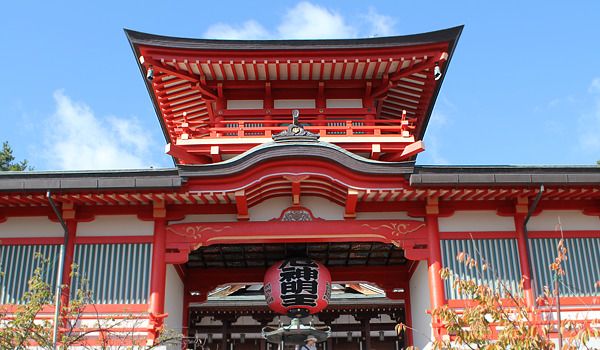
<point>523,86</point>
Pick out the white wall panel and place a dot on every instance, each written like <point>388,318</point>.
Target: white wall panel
<point>174,300</point>
<point>294,103</point>
<point>244,104</point>
<point>36,226</point>
<point>548,220</point>
<point>480,220</point>
<point>320,207</point>
<point>116,225</point>
<point>344,103</point>
<point>419,304</point>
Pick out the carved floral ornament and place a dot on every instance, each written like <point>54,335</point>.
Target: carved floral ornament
<point>195,231</point>
<point>397,229</point>
<point>296,213</point>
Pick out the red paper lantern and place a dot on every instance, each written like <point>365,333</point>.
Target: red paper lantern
<point>297,287</point>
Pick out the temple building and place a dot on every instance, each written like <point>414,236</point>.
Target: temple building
<point>297,148</point>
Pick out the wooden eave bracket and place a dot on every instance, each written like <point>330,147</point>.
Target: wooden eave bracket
<point>593,210</point>
<point>183,155</point>
<point>522,205</point>
<point>68,211</point>
<point>415,251</point>
<point>393,79</point>
<point>197,84</point>
<point>241,204</point>
<point>432,206</point>
<point>351,202</point>
<point>215,154</point>
<point>375,151</point>
<point>159,209</point>
<point>412,149</point>
<point>177,255</point>
<point>296,192</point>
<point>408,151</point>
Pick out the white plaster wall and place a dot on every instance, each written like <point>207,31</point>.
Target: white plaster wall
<point>400,215</point>
<point>294,103</point>
<point>174,300</point>
<point>419,304</point>
<point>116,225</point>
<point>37,226</point>
<point>548,220</point>
<point>272,208</point>
<point>244,104</point>
<point>344,103</point>
<point>481,220</point>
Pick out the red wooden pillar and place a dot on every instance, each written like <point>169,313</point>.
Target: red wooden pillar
<point>69,252</point>
<point>67,267</point>
<point>158,277</point>
<point>434,261</point>
<point>520,214</point>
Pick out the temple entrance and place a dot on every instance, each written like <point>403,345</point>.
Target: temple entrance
<point>226,308</point>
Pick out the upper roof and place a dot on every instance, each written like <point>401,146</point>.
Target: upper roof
<point>396,71</point>
<point>446,35</point>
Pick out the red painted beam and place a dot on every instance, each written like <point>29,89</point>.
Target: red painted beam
<point>384,276</point>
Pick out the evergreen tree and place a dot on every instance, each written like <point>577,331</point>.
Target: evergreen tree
<point>7,160</point>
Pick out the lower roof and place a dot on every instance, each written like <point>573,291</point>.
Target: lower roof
<point>175,178</point>
<point>504,175</point>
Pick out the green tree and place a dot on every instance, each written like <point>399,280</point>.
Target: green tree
<point>24,327</point>
<point>7,160</point>
<point>498,319</point>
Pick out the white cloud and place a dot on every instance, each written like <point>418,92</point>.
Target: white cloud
<point>248,30</point>
<point>309,21</point>
<point>594,86</point>
<point>76,139</point>
<point>438,119</point>
<point>381,25</point>
<point>303,21</point>
<point>589,122</point>
<point>432,147</point>
<point>433,141</point>
<point>589,126</point>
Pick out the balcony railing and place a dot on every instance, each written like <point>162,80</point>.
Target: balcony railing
<point>324,128</point>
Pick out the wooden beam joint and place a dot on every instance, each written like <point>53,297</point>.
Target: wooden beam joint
<point>241,204</point>
<point>159,209</point>
<point>351,202</point>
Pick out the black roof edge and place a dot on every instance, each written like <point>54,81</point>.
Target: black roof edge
<point>148,88</point>
<point>321,150</point>
<point>432,176</point>
<point>65,181</point>
<point>444,169</point>
<point>452,47</point>
<point>449,34</point>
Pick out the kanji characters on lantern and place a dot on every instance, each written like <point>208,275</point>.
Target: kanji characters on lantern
<point>297,287</point>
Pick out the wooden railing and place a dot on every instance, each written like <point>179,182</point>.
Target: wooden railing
<point>324,128</point>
